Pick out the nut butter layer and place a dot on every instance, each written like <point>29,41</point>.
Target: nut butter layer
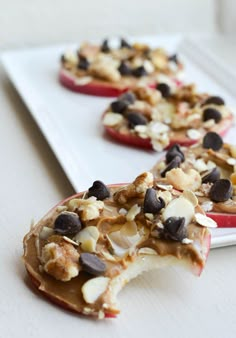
<point>89,246</point>
<point>157,118</point>
<point>105,71</point>
<point>209,170</point>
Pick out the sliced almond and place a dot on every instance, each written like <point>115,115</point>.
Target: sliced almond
<point>147,251</point>
<point>179,207</point>
<point>94,288</point>
<point>205,221</point>
<point>189,195</point>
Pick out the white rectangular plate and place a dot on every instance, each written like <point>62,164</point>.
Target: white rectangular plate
<point>71,122</point>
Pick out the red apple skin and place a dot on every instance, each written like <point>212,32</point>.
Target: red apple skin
<point>223,220</point>
<point>98,88</point>
<point>136,141</point>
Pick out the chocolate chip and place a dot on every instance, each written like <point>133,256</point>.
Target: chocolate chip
<point>124,44</point>
<point>212,140</point>
<point>174,228</point>
<point>173,152</point>
<point>211,176</point>
<point>136,119</point>
<point>211,113</point>
<point>105,47</point>
<point>175,163</point>
<point>173,58</point>
<point>124,68</point>
<point>67,223</point>
<point>139,71</point>
<point>129,97</point>
<point>152,204</point>
<point>83,63</point>
<point>164,89</point>
<point>63,58</point>
<point>99,190</point>
<point>214,100</point>
<point>119,106</point>
<point>221,190</point>
<point>92,264</point>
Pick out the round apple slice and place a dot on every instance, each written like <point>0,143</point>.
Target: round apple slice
<point>65,265</point>
<point>155,121</point>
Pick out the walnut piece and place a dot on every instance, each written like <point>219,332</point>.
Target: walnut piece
<point>60,260</point>
<point>135,189</point>
<point>105,71</point>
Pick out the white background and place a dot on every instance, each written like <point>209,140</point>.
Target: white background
<point>34,22</point>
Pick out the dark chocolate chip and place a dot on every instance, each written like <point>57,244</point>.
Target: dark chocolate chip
<point>67,223</point>
<point>211,176</point>
<point>174,228</point>
<point>136,119</point>
<point>151,203</point>
<point>214,100</point>
<point>211,113</point>
<point>99,190</point>
<point>83,63</point>
<point>63,59</point>
<point>92,264</point>
<point>221,190</point>
<point>105,47</point>
<point>164,89</point>
<point>124,68</point>
<point>124,44</point>
<point>129,97</point>
<point>173,152</point>
<point>173,58</point>
<point>175,163</point>
<point>212,140</point>
<point>139,71</point>
<point>119,106</point>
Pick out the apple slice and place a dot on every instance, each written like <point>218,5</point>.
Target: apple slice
<point>88,282</point>
<point>179,137</point>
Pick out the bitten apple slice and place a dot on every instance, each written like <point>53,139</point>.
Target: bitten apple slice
<point>89,246</point>
<point>211,164</point>
<point>158,118</point>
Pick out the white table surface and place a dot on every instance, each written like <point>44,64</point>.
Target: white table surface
<point>31,182</point>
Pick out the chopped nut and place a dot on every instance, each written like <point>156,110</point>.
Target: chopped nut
<point>133,212</point>
<point>94,288</point>
<point>112,119</point>
<point>90,208</point>
<point>88,238</point>
<point>46,232</point>
<point>104,70</point>
<point>60,260</point>
<point>194,134</point>
<point>183,181</point>
<point>135,189</point>
<point>149,95</point>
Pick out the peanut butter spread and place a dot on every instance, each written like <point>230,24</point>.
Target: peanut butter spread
<point>88,247</point>
<point>209,173</point>
<point>121,67</point>
<point>166,115</point>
